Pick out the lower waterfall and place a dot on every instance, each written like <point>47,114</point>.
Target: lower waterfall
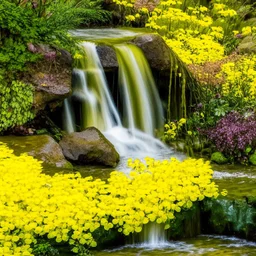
<point>153,235</point>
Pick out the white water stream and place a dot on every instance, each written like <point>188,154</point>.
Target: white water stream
<point>133,136</point>
<point>143,114</point>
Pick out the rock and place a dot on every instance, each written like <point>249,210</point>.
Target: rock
<point>247,45</point>
<point>219,158</point>
<point>107,56</point>
<point>155,49</point>
<point>42,147</point>
<point>229,217</point>
<point>252,158</point>
<point>51,77</point>
<point>89,147</point>
<point>250,22</point>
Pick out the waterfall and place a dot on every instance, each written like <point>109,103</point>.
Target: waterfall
<point>132,135</point>
<point>91,88</point>
<point>143,113</point>
<point>142,104</point>
<point>68,117</point>
<point>152,235</point>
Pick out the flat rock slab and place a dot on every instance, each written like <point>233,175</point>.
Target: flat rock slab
<point>89,147</point>
<point>42,147</point>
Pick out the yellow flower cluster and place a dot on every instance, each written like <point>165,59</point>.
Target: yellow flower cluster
<point>240,78</point>
<point>77,56</point>
<point>69,208</point>
<point>190,33</point>
<point>196,49</point>
<point>172,129</point>
<point>125,3</point>
<point>222,10</point>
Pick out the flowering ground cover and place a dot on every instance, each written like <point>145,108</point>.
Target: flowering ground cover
<point>205,36</point>
<point>68,209</point>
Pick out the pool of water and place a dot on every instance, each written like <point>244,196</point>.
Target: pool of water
<point>207,245</point>
<point>240,181</point>
<point>108,35</point>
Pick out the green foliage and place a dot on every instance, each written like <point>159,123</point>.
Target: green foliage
<point>252,158</point>
<point>16,101</point>
<point>24,24</point>
<point>219,158</point>
<point>16,30</point>
<point>45,22</point>
<point>44,248</point>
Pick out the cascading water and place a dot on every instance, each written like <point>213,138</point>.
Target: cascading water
<point>68,116</point>
<point>142,104</point>
<point>152,235</point>
<point>143,112</point>
<point>91,87</point>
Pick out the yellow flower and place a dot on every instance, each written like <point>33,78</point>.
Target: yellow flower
<point>77,56</point>
<point>130,18</point>
<point>69,208</point>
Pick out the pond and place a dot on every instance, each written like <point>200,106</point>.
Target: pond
<point>207,245</point>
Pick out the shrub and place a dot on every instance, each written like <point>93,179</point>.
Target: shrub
<point>239,85</point>
<point>24,24</point>
<point>69,209</point>
<point>235,135</point>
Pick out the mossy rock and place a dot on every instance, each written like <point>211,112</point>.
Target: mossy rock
<point>219,158</point>
<point>247,45</point>
<point>42,147</point>
<point>252,159</point>
<point>89,147</point>
<point>155,49</point>
<point>229,217</point>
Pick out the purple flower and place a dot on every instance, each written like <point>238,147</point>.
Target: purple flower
<point>233,133</point>
<point>199,105</point>
<point>50,55</point>
<point>32,48</point>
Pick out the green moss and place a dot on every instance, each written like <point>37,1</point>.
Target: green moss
<point>229,217</point>
<point>218,158</point>
<point>252,158</point>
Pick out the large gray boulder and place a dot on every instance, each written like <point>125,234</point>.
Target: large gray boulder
<point>42,147</point>
<point>155,49</point>
<point>89,147</point>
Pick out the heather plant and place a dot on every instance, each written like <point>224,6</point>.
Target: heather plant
<point>235,135</point>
